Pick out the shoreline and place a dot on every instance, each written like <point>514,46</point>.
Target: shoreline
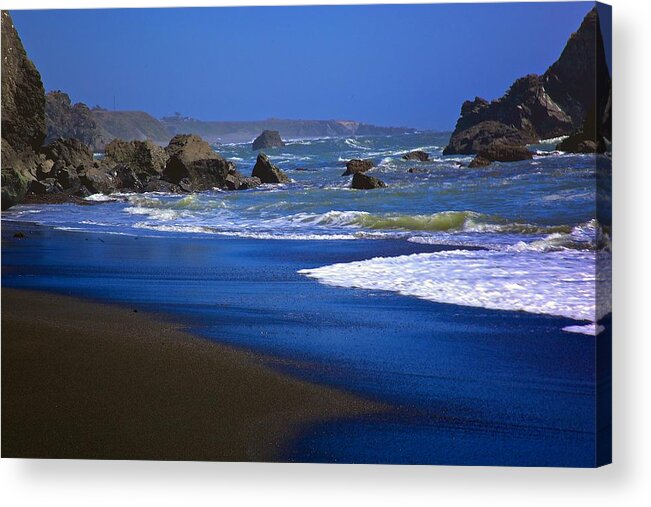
<point>100,381</point>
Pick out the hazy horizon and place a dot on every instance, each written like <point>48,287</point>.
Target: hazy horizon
<point>391,65</point>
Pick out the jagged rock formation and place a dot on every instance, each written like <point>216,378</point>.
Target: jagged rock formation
<point>539,107</point>
<point>358,166</point>
<point>364,182</point>
<point>268,139</point>
<point>267,172</point>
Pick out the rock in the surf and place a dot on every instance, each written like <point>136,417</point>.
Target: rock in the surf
<point>365,182</point>
<point>268,139</point>
<point>267,172</point>
<point>479,161</point>
<point>194,165</point>
<point>501,152</point>
<point>357,165</point>
<point>418,155</point>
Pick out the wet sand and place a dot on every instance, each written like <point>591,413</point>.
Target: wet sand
<point>87,380</point>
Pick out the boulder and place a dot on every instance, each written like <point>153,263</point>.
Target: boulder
<point>501,152</point>
<point>237,181</point>
<point>158,185</point>
<point>46,186</point>
<point>198,175</point>
<point>268,139</point>
<point>267,172</point>
<point>364,182</point>
<point>142,156</point>
<point>68,153</point>
<point>478,137</point>
<point>479,161</point>
<point>16,175</point>
<point>98,178</point>
<point>419,155</point>
<point>194,165</point>
<point>189,147</point>
<point>357,166</point>
<point>68,180</point>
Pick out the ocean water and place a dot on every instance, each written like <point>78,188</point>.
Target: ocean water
<point>473,302</point>
<point>527,234</point>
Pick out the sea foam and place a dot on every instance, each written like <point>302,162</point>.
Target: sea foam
<point>562,283</point>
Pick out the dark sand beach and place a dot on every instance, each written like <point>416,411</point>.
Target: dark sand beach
<point>88,380</point>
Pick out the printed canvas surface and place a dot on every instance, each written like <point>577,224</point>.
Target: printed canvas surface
<point>342,234</point>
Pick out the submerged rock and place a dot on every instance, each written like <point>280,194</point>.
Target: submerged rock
<point>267,172</point>
<point>268,139</point>
<point>419,155</point>
<point>358,166</point>
<point>479,161</point>
<point>364,182</point>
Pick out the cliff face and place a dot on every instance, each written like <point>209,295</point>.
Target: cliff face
<point>538,107</point>
<point>23,96</point>
<point>23,115</point>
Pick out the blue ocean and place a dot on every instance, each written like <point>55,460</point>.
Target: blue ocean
<point>468,299</point>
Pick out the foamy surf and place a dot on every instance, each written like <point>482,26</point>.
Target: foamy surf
<point>562,284</point>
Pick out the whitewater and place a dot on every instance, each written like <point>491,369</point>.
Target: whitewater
<point>526,236</point>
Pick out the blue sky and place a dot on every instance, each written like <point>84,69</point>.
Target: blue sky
<point>410,65</point>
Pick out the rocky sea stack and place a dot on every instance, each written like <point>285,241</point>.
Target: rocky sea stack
<point>267,172</point>
<point>268,139</point>
<point>535,107</point>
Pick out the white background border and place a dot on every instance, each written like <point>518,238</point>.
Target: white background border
<point>625,483</point>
